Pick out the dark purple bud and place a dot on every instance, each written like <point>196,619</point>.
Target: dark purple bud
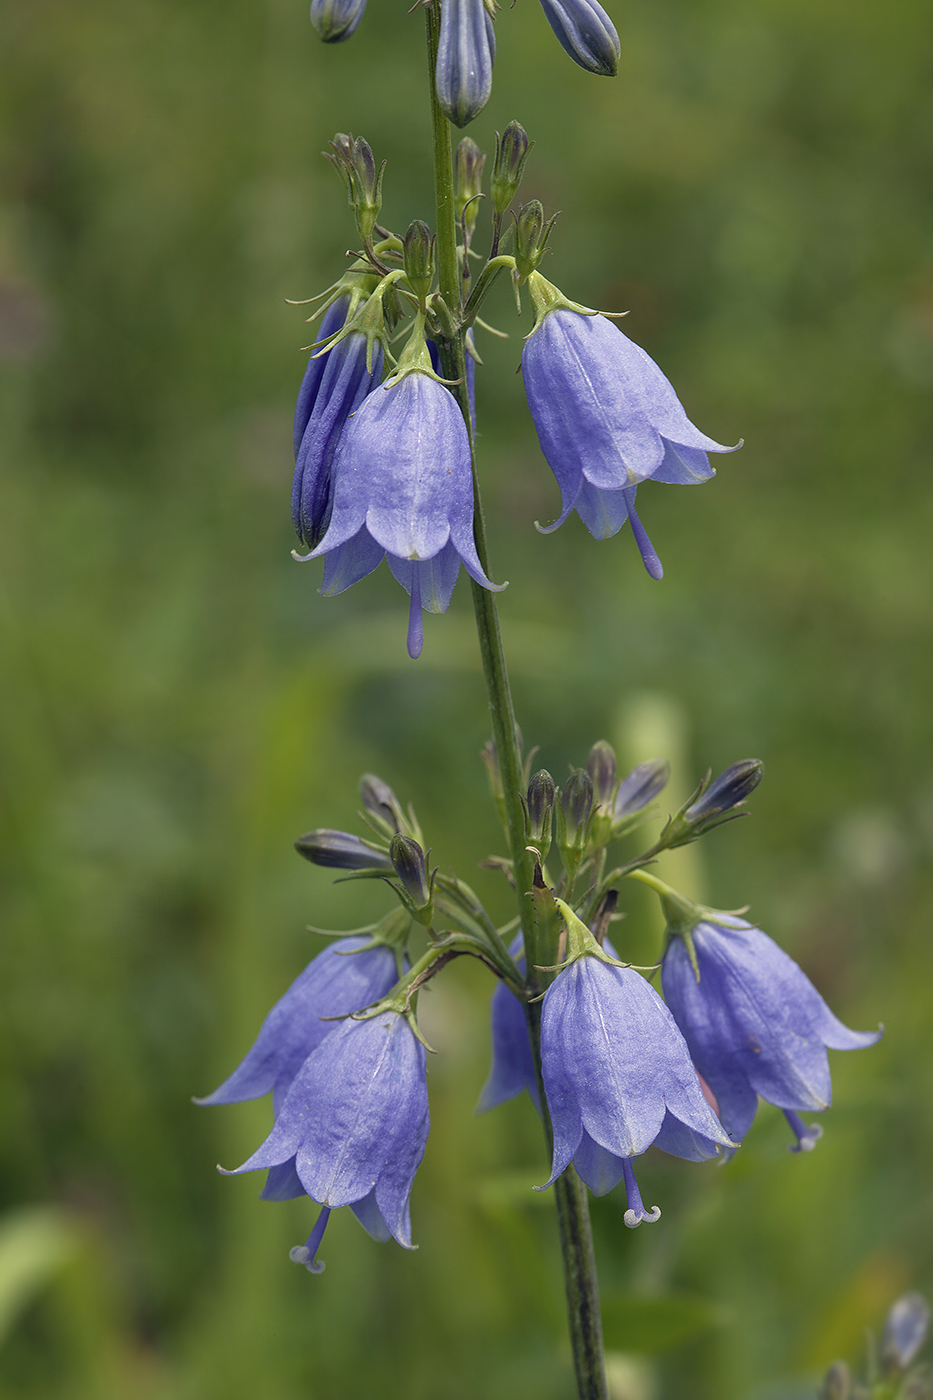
<point>541,793</point>
<point>340,851</point>
<point>419,258</point>
<point>577,802</point>
<point>601,766</point>
<point>837,1383</point>
<point>732,786</point>
<point>641,787</point>
<point>381,802</point>
<point>336,20</point>
<point>586,32</point>
<point>411,869</point>
<point>904,1332</point>
<point>465,55</point>
<point>512,150</point>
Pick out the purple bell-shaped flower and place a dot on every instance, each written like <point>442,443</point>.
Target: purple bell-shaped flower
<point>607,418</point>
<point>352,1129</point>
<point>754,1022</point>
<point>403,488</point>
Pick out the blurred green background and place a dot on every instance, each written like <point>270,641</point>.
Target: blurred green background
<point>178,704</point>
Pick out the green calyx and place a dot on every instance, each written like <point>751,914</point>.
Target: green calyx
<point>682,914</point>
<point>415,358</point>
<point>368,319</point>
<point>581,943</point>
<point>546,297</point>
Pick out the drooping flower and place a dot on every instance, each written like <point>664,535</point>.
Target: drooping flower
<point>334,317</point>
<point>465,55</point>
<point>336,20</point>
<point>403,487</point>
<point>347,976</point>
<point>607,418</point>
<point>513,1066</point>
<point>753,1021</point>
<point>617,1074</point>
<point>352,368</point>
<point>352,1129</point>
<point>586,32</point>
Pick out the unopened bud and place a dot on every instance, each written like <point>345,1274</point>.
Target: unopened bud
<point>601,766</point>
<point>732,787</point>
<point>904,1332</point>
<point>340,851</point>
<point>511,153</point>
<point>354,162</point>
<point>532,232</point>
<point>468,165</point>
<point>576,803</point>
<point>837,1383</point>
<point>411,868</point>
<point>541,793</point>
<point>640,787</point>
<point>336,20</point>
<point>419,258</point>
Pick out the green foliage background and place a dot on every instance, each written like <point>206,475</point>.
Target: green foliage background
<point>178,704</point>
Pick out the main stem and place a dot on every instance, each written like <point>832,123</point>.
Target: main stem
<point>576,1237</point>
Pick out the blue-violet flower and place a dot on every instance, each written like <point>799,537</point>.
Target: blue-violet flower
<point>352,1129</point>
<point>618,1077</point>
<point>403,487</point>
<point>754,1023</point>
<point>606,417</point>
<point>334,317</point>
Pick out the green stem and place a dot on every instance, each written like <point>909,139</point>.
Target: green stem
<point>570,1194</point>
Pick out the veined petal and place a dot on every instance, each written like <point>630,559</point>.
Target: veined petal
<point>513,1067</point>
<point>334,317</point>
<point>586,32</point>
<point>349,562</point>
<point>463,76</point>
<point>336,20</point>
<point>436,577</point>
<point>599,1168</point>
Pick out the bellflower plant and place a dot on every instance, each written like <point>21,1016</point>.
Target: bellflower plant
<point>385,469</point>
<point>607,418</point>
<point>755,1024</point>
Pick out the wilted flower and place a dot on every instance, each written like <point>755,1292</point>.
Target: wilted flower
<point>352,1129</point>
<point>606,417</point>
<point>753,1021</point>
<point>352,369</point>
<point>349,975</point>
<point>586,32</point>
<point>403,487</point>
<point>465,55</point>
<point>336,20</point>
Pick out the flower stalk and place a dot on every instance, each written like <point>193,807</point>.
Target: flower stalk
<point>581,1282</point>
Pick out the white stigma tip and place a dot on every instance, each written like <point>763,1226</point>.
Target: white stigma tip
<point>633,1218</point>
<point>302,1255</point>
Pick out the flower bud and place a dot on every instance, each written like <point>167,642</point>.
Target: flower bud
<point>576,804</point>
<point>468,170</point>
<point>419,258</point>
<point>837,1383</point>
<point>382,804</point>
<point>904,1332</point>
<point>512,150</point>
<point>340,851</point>
<point>601,766</point>
<point>353,161</point>
<point>641,787</point>
<point>586,32</point>
<point>541,794</point>
<point>465,55</point>
<point>336,20</point>
<point>731,788</point>
<point>411,868</point>
<point>531,235</point>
